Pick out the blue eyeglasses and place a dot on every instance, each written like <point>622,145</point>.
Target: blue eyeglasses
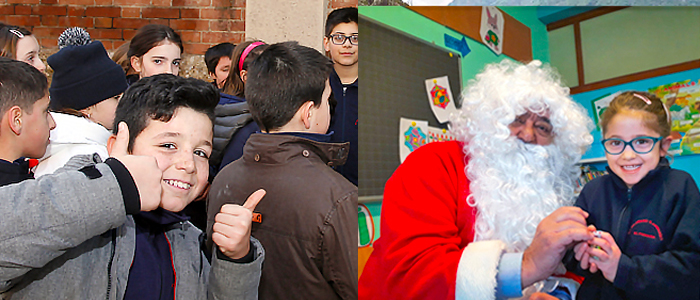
<point>640,145</point>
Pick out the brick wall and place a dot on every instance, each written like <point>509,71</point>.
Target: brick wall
<point>201,23</point>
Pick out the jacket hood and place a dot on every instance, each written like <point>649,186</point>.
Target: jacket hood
<point>77,130</point>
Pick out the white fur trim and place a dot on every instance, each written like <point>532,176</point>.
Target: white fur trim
<point>477,270</point>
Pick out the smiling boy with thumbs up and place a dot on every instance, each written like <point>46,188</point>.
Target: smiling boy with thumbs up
<point>156,254</point>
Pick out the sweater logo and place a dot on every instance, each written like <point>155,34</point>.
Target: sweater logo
<point>646,228</point>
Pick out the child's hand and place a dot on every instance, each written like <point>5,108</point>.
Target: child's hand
<point>607,257</point>
<point>581,251</point>
<point>231,232</point>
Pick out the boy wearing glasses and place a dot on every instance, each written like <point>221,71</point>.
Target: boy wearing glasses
<point>341,44</point>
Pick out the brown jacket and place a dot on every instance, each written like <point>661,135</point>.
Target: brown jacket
<point>309,224</point>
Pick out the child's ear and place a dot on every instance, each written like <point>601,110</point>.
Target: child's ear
<point>110,143</point>
<point>136,64</point>
<point>14,117</point>
<point>326,44</point>
<point>665,144</point>
<point>306,111</point>
<point>244,75</point>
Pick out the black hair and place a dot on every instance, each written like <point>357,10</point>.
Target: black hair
<point>215,53</point>
<point>20,84</point>
<point>282,79</point>
<point>148,37</point>
<point>157,97</point>
<point>341,15</point>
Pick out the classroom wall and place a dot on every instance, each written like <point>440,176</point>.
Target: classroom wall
<point>405,20</point>
<point>628,41</point>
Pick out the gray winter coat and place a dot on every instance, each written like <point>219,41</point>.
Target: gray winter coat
<point>67,236</point>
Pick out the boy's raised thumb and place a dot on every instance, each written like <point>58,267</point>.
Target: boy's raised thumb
<point>121,144</point>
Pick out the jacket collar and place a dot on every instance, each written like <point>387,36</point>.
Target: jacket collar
<point>663,165</point>
<point>335,79</point>
<point>281,148</point>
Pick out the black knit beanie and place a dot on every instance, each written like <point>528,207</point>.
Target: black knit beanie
<point>84,76</point>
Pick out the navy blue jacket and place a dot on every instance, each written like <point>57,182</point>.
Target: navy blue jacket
<point>344,123</point>
<point>656,225</point>
<point>13,172</point>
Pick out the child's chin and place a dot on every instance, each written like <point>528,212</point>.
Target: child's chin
<point>174,205</point>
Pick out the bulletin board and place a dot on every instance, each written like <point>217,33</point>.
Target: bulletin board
<point>393,68</point>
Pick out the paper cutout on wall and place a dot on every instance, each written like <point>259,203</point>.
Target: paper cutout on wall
<point>491,30</point>
<point>600,104</point>
<point>436,134</point>
<point>440,98</point>
<point>365,227</point>
<point>412,135</point>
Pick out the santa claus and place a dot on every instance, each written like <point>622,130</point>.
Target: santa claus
<point>488,215</point>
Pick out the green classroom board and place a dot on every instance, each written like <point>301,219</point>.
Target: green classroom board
<point>393,68</point>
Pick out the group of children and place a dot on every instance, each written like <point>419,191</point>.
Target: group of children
<point>268,121</point>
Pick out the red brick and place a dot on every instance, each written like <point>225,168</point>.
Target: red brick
<point>190,36</point>
<point>103,2</point>
<point>77,2</point>
<point>49,10</point>
<point>23,2</point>
<point>103,22</point>
<point>236,26</point>
<point>189,13</point>
<point>76,11</point>
<point>23,10</point>
<point>53,32</point>
<point>49,20</point>
<point>7,10</point>
<point>218,25</point>
<point>342,3</point>
<point>222,3</point>
<point>103,12</point>
<point>108,45</point>
<point>128,34</point>
<point>131,12</point>
<point>239,3</point>
<point>221,13</point>
<point>129,23</point>
<point>132,2</point>
<point>24,21</point>
<point>84,22</point>
<point>117,44</point>
<point>166,3</point>
<point>49,1</point>
<point>189,24</point>
<point>165,13</point>
<point>219,37</point>
<point>102,34</point>
<point>49,42</point>
<point>196,48</point>
<point>3,19</point>
<point>191,3</point>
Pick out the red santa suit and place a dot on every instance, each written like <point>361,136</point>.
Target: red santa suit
<point>427,233</point>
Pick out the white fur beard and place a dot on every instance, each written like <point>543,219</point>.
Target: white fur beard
<point>514,187</point>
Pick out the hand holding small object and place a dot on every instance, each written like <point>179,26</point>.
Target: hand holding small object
<point>604,255</point>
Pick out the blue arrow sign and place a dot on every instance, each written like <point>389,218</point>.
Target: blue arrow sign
<point>459,45</point>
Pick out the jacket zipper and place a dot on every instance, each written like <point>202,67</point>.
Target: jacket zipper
<point>622,214</point>
<point>111,260</point>
<point>172,261</point>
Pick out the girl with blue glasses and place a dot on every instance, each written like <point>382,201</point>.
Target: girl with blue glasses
<point>646,214</point>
